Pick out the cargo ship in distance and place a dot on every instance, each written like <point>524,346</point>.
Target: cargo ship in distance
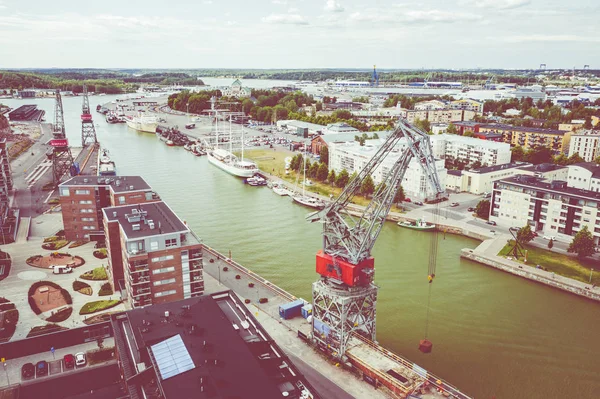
<point>142,123</point>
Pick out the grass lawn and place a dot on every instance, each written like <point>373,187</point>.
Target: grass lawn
<point>560,264</point>
<point>273,162</point>
<point>97,306</point>
<point>98,273</point>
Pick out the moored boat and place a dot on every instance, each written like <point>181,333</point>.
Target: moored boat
<point>142,123</point>
<point>309,201</point>
<point>419,224</point>
<point>256,180</point>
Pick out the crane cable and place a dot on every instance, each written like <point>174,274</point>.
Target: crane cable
<point>433,248</point>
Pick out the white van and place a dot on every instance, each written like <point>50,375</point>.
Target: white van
<point>61,269</point>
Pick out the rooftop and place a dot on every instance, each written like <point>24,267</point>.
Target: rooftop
<point>544,167</point>
<point>505,127</point>
<point>204,347</point>
<point>119,184</point>
<point>145,220</point>
<point>591,166</point>
<point>454,172</point>
<point>495,168</point>
<point>555,186</point>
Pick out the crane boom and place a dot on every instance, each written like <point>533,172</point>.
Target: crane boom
<point>351,238</point>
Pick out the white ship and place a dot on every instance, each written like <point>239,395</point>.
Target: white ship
<point>142,123</point>
<point>231,164</point>
<point>226,160</point>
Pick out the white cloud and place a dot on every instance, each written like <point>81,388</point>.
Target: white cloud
<point>498,4</point>
<point>288,19</point>
<point>207,2</point>
<point>549,38</point>
<point>333,6</point>
<point>413,16</point>
<point>293,10</point>
<point>284,2</point>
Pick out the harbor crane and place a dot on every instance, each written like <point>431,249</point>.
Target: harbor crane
<point>62,159</point>
<point>344,299</point>
<point>88,131</point>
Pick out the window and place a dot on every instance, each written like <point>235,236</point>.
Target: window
<point>170,242</point>
<point>163,258</point>
<point>86,202</point>
<point>87,219</point>
<point>163,282</point>
<point>64,192</point>
<point>165,293</point>
<point>121,199</point>
<point>84,210</point>
<point>82,192</point>
<point>164,270</point>
<point>154,244</point>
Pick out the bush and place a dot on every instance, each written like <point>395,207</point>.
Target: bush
<point>263,300</point>
<point>98,306</point>
<point>11,317</point>
<point>100,355</point>
<point>247,301</point>
<point>77,244</point>
<point>98,273</point>
<point>250,285</point>
<point>61,315</point>
<point>237,277</point>
<point>55,245</point>
<point>101,253</point>
<point>106,289</point>
<point>48,328</point>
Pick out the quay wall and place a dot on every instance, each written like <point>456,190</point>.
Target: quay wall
<point>514,268</point>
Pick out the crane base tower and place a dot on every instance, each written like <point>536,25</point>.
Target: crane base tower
<point>340,311</point>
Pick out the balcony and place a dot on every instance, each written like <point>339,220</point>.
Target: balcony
<point>139,281</point>
<point>137,292</point>
<point>137,267</point>
<point>135,252</point>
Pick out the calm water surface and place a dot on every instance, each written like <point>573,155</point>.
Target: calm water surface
<point>494,334</point>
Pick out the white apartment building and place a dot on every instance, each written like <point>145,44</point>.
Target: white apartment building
<point>470,149</point>
<point>438,115</point>
<point>340,127</point>
<point>550,208</point>
<point>585,176</point>
<point>467,104</point>
<point>586,144</point>
<point>429,105</point>
<point>353,157</point>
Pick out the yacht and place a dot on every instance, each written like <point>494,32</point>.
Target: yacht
<point>142,123</point>
<point>304,199</point>
<point>280,189</point>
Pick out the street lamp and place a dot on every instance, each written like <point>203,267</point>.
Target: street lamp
<point>6,371</point>
<point>591,272</point>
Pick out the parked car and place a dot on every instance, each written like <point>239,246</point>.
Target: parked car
<point>41,368</point>
<point>27,370</point>
<point>491,223</point>
<point>553,238</point>
<point>471,209</point>
<point>80,359</point>
<point>406,199</point>
<point>418,203</point>
<point>69,361</point>
<point>61,269</point>
<point>454,204</point>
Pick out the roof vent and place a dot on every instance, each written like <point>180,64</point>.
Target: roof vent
<point>114,214</point>
<point>167,313</point>
<point>135,227</point>
<point>151,224</point>
<point>85,180</point>
<point>131,187</point>
<point>118,183</point>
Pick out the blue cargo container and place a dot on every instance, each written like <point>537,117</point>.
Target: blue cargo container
<point>306,310</point>
<point>291,309</point>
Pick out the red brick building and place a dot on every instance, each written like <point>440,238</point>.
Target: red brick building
<point>83,197</point>
<point>153,255</point>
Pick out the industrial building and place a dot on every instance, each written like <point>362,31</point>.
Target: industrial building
<point>295,126</point>
<point>153,255</point>
<point>586,144</point>
<point>82,199</point>
<point>353,157</point>
<point>6,185</point>
<point>27,112</point>
<point>206,347</point>
<point>549,207</point>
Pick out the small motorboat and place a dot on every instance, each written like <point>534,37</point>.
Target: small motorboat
<point>170,143</point>
<point>420,224</point>
<point>256,181</point>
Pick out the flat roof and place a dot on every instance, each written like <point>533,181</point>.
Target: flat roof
<point>530,181</point>
<point>454,172</point>
<point>503,126</point>
<point>590,166</point>
<point>119,184</point>
<point>489,169</point>
<point>229,362</point>
<point>165,221</point>
<point>544,167</point>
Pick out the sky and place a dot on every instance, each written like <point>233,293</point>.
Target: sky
<point>294,34</point>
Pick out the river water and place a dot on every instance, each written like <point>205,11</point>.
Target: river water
<point>494,335</point>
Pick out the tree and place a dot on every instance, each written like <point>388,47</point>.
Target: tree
<point>597,160</point>
<point>469,133</point>
<point>322,172</point>
<point>423,124</point>
<point>319,106</point>
<point>575,158</point>
<point>375,136</point>
<point>583,243</point>
<point>331,177</point>
<point>399,197</point>
<point>324,155</point>
<point>342,179</point>
<point>452,129</point>
<point>539,155</point>
<point>314,169</point>
<point>483,209</point>
<point>367,187</point>
<point>588,123</point>
<point>517,154</point>
<point>550,244</point>
<point>525,235</point>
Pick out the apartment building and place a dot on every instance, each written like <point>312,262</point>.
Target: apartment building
<point>82,199</point>
<point>6,185</point>
<point>438,115</point>
<point>530,137</point>
<point>586,144</point>
<point>429,105</point>
<point>469,150</point>
<point>549,207</point>
<point>585,176</point>
<point>353,157</point>
<point>467,104</point>
<point>481,180</point>
<point>153,256</point>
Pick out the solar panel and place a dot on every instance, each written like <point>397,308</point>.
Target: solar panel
<point>172,357</point>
